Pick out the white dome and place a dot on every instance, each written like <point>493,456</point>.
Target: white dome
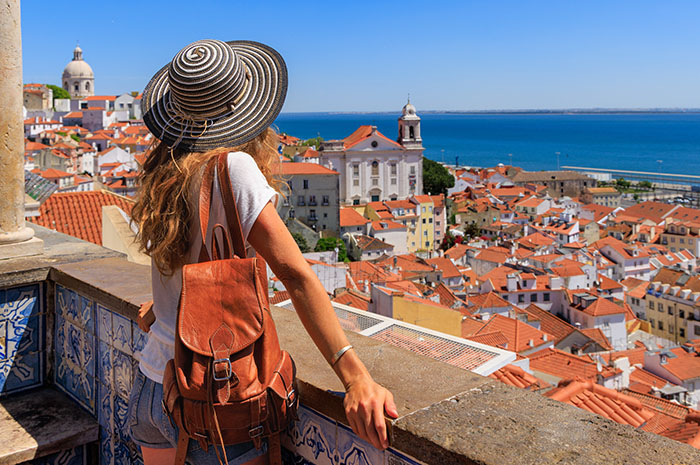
<point>409,109</point>
<point>78,69</point>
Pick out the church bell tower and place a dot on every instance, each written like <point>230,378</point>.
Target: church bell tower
<point>409,127</point>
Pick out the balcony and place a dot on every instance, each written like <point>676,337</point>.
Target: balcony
<point>448,415</point>
<point>312,203</point>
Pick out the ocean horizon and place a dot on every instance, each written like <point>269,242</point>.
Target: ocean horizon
<point>654,141</point>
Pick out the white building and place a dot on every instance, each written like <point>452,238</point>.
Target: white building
<point>390,232</point>
<point>373,167</point>
<point>587,311</point>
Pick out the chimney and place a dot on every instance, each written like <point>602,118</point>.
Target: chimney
<point>544,337</point>
<point>688,347</point>
<point>512,282</point>
<point>531,343</point>
<point>578,325</point>
<point>374,129</point>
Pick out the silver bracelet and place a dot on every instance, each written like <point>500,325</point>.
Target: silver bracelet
<point>337,355</point>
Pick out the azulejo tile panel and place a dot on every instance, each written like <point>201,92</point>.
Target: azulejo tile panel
<point>21,338</point>
<point>76,456</point>
<point>317,439</point>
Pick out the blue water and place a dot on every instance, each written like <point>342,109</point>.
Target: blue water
<point>668,143</point>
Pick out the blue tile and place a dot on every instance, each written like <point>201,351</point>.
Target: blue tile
<point>21,372</point>
<point>105,407</point>
<point>104,364</point>
<point>139,339</point>
<point>122,455</point>
<point>121,333</point>
<point>75,363</point>
<point>352,449</point>
<point>86,313</point>
<point>397,458</point>
<point>20,302</point>
<point>104,324</point>
<point>123,373</point>
<point>24,336</point>
<point>67,303</point>
<point>89,353</point>
<point>121,419</point>
<point>312,437</point>
<point>3,339</point>
<point>74,456</point>
<point>106,448</point>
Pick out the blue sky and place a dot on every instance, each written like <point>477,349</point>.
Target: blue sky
<point>367,55</point>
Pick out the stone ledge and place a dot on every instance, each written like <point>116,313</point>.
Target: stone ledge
<point>41,422</point>
<point>58,248</point>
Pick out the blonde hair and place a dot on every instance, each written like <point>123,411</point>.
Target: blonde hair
<point>163,211</point>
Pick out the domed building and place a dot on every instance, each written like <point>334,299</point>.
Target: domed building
<point>78,78</point>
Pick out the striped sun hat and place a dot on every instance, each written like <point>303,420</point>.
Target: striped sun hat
<point>215,94</point>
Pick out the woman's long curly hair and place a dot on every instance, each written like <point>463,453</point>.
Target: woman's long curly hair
<point>163,209</point>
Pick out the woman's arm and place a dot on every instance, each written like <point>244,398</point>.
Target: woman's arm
<point>365,401</point>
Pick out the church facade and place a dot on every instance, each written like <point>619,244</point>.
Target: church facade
<point>373,167</point>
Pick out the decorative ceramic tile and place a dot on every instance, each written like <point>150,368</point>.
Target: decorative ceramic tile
<point>24,335</point>
<point>75,362</point>
<point>104,324</point>
<point>121,420</point>
<point>104,364</point>
<point>3,339</point>
<point>67,304</point>
<point>21,372</point>
<point>397,458</point>
<point>19,302</point>
<point>65,457</point>
<point>123,371</point>
<point>121,333</point>
<point>138,340</point>
<point>105,408</point>
<point>106,452</point>
<point>86,312</point>
<point>122,455</point>
<point>312,437</point>
<point>351,450</point>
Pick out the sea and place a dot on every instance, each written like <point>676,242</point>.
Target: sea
<point>653,142</point>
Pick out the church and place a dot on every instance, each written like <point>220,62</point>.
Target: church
<point>373,167</point>
<point>78,78</point>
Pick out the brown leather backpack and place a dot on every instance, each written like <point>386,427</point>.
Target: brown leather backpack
<point>229,382</point>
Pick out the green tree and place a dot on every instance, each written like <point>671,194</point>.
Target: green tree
<point>75,137</point>
<point>58,92</point>
<point>330,243</point>
<point>472,230</point>
<point>645,185</point>
<point>436,178</point>
<point>622,184</point>
<point>314,141</point>
<point>301,242</point>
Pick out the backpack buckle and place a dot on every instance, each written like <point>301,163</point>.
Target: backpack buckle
<point>228,372</point>
<point>292,398</point>
<point>256,432</point>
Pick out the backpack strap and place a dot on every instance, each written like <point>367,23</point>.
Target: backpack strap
<point>205,193</point>
<point>183,441</point>
<point>234,222</point>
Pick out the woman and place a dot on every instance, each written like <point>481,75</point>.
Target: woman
<point>219,97</point>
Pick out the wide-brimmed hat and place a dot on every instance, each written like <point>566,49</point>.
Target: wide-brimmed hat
<point>215,94</point>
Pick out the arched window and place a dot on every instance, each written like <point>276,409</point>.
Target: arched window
<point>87,86</point>
<point>76,87</point>
<point>375,168</point>
<point>411,134</point>
<point>65,85</point>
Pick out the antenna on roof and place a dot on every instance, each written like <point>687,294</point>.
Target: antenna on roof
<point>409,97</point>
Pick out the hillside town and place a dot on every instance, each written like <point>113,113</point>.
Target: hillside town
<point>600,303</point>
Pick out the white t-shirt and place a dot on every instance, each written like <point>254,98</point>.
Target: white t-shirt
<point>252,193</point>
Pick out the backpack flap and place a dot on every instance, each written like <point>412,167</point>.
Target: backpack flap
<point>221,292</point>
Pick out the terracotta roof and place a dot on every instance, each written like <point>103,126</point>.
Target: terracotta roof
<point>423,198</point>
<point>73,114</point>
<point>601,307</point>
<point>640,375</point>
<point>603,401</point>
<point>516,376</point>
<point>449,270</point>
<point>488,300</point>
<point>363,133</point>
<point>470,326</point>
<point>597,335</point>
<point>492,338</point>
<point>52,173</point>
<point>567,366</point>
<point>371,243</point>
<point>655,211</point>
<point>519,334</point>
<point>79,214</point>
<point>353,298</point>
<point>291,168</point>
<point>350,217</point>
<point>549,322</point>
<point>279,296</point>
<point>383,225</point>
<point>365,271</point>
<point>100,97</point>
<point>30,146</point>
<point>684,365</point>
<point>457,251</point>
<point>607,283</point>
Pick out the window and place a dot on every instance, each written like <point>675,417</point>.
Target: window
<point>355,182</point>
<point>291,213</point>
<point>76,87</point>
<point>430,220</point>
<point>427,243</point>
<point>425,233</point>
<point>681,332</point>
<point>670,310</point>
<point>670,329</point>
<point>661,325</point>
<point>533,297</point>
<point>306,183</point>
<point>356,201</point>
<point>300,200</point>
<point>521,298</point>
<point>423,209</point>
<point>312,215</point>
<point>375,168</point>
<point>651,322</point>
<point>545,297</point>
<point>87,86</point>
<point>411,133</point>
<point>681,313</point>
<point>651,305</point>
<point>696,330</point>
<point>393,181</point>
<point>423,220</point>
<point>392,169</point>
<point>312,200</point>
<point>375,181</point>
<point>413,170</point>
<point>355,170</point>
<point>375,198</point>
<point>325,215</point>
<point>326,200</point>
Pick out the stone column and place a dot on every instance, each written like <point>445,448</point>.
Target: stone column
<point>16,239</point>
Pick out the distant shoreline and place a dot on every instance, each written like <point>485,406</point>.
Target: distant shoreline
<point>573,111</point>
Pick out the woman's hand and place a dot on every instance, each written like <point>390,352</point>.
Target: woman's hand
<point>365,403</point>
<point>146,317</point>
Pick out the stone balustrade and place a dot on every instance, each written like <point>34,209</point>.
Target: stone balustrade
<point>68,325</point>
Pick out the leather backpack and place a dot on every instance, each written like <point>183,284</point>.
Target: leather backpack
<point>229,382</point>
